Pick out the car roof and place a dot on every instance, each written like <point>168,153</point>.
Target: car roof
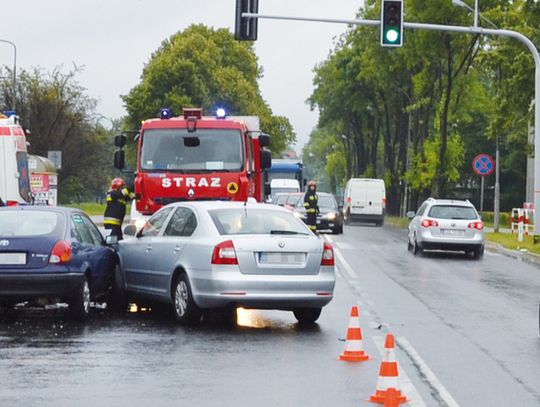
<point>456,202</point>
<point>57,209</point>
<point>210,205</point>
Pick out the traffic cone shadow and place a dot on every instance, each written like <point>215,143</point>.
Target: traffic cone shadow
<point>388,390</point>
<point>354,349</point>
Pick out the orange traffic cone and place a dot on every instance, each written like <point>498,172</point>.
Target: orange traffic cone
<point>354,350</point>
<point>388,390</point>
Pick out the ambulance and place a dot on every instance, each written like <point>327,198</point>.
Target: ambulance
<point>14,177</point>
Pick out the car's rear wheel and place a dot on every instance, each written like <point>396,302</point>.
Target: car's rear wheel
<point>478,253</point>
<point>184,307</point>
<point>409,245</point>
<point>307,315</point>
<point>79,304</point>
<point>415,248</point>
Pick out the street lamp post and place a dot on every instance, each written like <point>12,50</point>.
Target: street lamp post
<point>14,70</point>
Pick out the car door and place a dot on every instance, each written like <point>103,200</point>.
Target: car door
<point>101,259</point>
<point>139,254</point>
<point>168,246</point>
<point>83,246</point>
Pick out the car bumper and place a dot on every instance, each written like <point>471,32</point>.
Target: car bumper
<point>25,285</point>
<point>222,287</point>
<point>325,224</point>
<point>429,242</point>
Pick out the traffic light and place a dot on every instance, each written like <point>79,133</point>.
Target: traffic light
<point>392,23</point>
<point>245,28</point>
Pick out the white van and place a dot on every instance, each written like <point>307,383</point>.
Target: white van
<point>14,176</point>
<point>284,185</point>
<point>365,200</point>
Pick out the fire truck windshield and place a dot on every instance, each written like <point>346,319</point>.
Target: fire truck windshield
<point>204,151</point>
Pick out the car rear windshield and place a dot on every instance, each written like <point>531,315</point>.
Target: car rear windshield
<point>452,212</point>
<point>249,221</point>
<point>29,223</point>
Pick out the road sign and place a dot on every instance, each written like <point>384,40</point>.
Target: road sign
<point>56,157</point>
<point>483,165</point>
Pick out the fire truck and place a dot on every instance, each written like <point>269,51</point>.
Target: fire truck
<point>196,157</point>
<point>14,177</point>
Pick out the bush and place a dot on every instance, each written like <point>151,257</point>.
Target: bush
<point>504,218</point>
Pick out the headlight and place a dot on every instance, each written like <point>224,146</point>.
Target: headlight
<point>331,216</point>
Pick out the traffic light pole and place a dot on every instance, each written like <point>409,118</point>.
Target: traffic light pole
<point>465,30</point>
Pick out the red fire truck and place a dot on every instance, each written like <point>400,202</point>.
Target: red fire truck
<point>196,157</point>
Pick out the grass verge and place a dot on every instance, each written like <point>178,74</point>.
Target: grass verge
<point>93,209</point>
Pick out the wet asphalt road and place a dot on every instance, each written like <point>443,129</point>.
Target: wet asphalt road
<point>467,335</point>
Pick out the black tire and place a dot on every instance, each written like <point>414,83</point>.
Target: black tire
<point>409,245</point>
<point>307,315</point>
<point>478,253</point>
<point>341,228</point>
<point>335,230</point>
<point>79,303</point>
<point>229,316</point>
<point>415,248</point>
<point>184,307</point>
<point>118,300</point>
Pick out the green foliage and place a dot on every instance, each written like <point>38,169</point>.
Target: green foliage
<point>60,116</point>
<point>207,68</point>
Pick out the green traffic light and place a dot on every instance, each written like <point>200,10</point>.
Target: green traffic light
<point>391,35</point>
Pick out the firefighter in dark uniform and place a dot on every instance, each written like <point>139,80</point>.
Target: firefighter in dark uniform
<point>311,203</point>
<point>116,207</point>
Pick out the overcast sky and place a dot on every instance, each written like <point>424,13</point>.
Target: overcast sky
<point>113,40</point>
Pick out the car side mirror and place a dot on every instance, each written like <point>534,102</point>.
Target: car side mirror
<point>410,214</point>
<point>130,230</point>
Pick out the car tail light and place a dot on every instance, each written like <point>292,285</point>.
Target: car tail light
<point>12,203</point>
<point>349,199</point>
<point>476,225</point>
<point>384,203</point>
<point>61,252</point>
<point>224,253</point>
<point>427,223</point>
<point>327,255</point>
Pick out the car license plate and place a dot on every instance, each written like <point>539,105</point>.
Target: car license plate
<point>453,232</point>
<point>318,221</point>
<point>12,258</point>
<point>281,258</point>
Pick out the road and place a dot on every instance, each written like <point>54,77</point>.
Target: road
<point>467,334</point>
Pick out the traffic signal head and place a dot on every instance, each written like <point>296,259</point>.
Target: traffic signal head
<point>392,23</point>
<point>245,28</point>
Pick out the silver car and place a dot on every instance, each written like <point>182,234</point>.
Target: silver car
<point>446,225</point>
<point>201,255</point>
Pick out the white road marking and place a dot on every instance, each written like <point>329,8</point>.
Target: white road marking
<point>407,388</point>
<point>345,266</point>
<point>427,372</point>
<point>328,238</point>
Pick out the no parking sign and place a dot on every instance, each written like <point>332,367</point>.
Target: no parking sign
<point>483,165</point>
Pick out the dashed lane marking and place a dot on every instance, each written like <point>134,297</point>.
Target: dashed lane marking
<point>407,387</point>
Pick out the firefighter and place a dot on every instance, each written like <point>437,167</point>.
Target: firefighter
<point>311,203</point>
<point>116,207</point>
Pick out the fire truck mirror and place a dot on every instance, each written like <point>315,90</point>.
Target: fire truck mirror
<point>264,140</point>
<point>192,141</point>
<point>119,159</point>
<point>119,140</point>
<point>266,159</point>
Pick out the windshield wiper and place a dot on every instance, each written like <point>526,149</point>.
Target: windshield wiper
<point>286,232</point>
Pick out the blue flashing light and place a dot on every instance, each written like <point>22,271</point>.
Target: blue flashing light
<point>165,113</point>
<point>221,113</point>
<point>10,113</point>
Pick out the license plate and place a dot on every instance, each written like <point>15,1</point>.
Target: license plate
<point>281,258</point>
<point>452,232</point>
<point>12,258</point>
<point>318,221</point>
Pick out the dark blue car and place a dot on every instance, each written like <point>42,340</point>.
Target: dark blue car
<point>55,254</point>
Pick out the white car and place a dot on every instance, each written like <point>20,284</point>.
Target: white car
<point>443,224</point>
<point>201,255</point>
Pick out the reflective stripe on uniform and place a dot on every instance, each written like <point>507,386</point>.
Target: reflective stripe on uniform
<point>109,198</point>
<point>112,221</point>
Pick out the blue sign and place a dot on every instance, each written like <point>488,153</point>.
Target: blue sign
<point>483,165</point>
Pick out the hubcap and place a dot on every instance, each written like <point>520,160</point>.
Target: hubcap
<point>181,298</point>
<point>86,297</point>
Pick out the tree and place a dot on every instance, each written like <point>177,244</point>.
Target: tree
<point>204,67</point>
<point>60,116</point>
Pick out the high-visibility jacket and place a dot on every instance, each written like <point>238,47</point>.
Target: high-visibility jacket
<point>116,206</point>
<point>311,202</point>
